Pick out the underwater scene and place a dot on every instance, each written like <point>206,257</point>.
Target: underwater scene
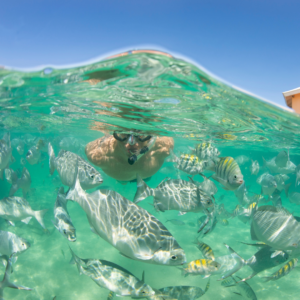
<point>141,176</point>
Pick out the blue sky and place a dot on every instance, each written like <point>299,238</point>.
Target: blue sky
<point>252,44</point>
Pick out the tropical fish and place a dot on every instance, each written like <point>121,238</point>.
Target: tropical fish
<point>206,151</point>
<point>205,250</point>
<point>176,222</point>
<point>33,155</point>
<point>224,222</point>
<point>281,185</point>
<point>10,244</point>
<point>227,173</point>
<point>63,222</point>
<point>268,183</point>
<point>249,210</point>
<point>18,209</point>
<point>18,183</point>
<point>22,161</point>
<point>112,277</point>
<point>264,259</point>
<point>5,153</point>
<point>6,280</point>
<point>276,227</point>
<point>286,269</point>
<point>65,163</point>
<point>241,194</point>
<point>204,267</point>
<point>207,186</point>
<point>254,168</point>
<point>129,228</point>
<point>244,288</point>
<point>274,168</point>
<point>174,194</point>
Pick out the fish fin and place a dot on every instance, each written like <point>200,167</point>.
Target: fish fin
<point>13,189</point>
<point>54,224</point>
<point>207,286</point>
<point>26,220</point>
<point>111,295</point>
<point>247,278</point>
<point>181,213</point>
<point>93,230</point>
<point>126,255</point>
<point>143,256</point>
<point>143,277</point>
<point>158,207</point>
<point>11,223</point>
<point>39,215</point>
<point>236,292</point>
<point>206,276</point>
<point>286,189</point>
<point>73,258</point>
<point>143,190</point>
<point>276,253</point>
<point>51,158</point>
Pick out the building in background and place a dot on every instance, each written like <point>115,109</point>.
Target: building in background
<point>292,99</point>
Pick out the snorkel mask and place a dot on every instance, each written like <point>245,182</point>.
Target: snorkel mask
<point>131,139</point>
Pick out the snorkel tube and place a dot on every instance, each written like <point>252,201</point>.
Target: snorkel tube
<point>135,157</point>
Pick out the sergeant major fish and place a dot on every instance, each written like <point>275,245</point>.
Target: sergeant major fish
<point>177,194</point>
<point>128,227</point>
<point>63,221</point>
<point>112,277</point>
<point>18,209</point>
<point>227,172</point>
<point>286,269</point>
<point>204,267</point>
<point>206,151</point>
<point>205,249</point>
<point>65,163</point>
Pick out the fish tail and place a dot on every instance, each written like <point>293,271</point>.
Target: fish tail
<point>6,281</point>
<point>207,286</point>
<point>74,258</point>
<point>143,190</point>
<point>183,272</point>
<point>268,278</point>
<point>39,215</point>
<point>51,158</point>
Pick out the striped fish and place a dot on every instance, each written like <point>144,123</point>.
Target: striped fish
<point>201,267</point>
<point>227,172</point>
<point>205,249</point>
<point>189,164</point>
<point>236,211</point>
<point>244,288</point>
<point>286,269</point>
<point>206,151</point>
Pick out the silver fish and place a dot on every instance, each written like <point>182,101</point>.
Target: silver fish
<point>227,173</point>
<point>112,277</point>
<point>294,197</point>
<point>20,148</point>
<point>244,288</point>
<point>265,259</point>
<point>128,227</point>
<point>254,167</point>
<point>274,168</point>
<point>10,244</point>
<point>5,153</point>
<point>281,159</point>
<point>268,184</point>
<point>174,194</point>
<point>207,186</point>
<point>241,194</point>
<point>18,183</point>
<point>33,155</point>
<point>63,222</point>
<point>276,227</point>
<point>23,161</point>
<point>18,209</point>
<point>242,159</point>
<point>6,280</point>
<point>65,163</point>
<point>281,185</point>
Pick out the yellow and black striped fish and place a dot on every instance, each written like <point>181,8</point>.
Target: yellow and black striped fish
<point>206,150</point>
<point>111,295</point>
<point>201,267</point>
<point>190,164</point>
<point>286,269</point>
<point>205,249</point>
<point>228,173</point>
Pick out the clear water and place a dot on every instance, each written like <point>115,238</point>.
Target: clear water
<point>160,95</point>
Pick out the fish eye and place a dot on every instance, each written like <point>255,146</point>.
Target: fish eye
<point>92,176</point>
<point>65,231</point>
<point>143,292</point>
<point>234,177</point>
<point>174,257</point>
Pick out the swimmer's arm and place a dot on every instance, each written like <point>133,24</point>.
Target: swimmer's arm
<point>162,147</point>
<point>96,151</point>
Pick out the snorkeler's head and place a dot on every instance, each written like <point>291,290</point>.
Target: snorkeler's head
<point>131,138</point>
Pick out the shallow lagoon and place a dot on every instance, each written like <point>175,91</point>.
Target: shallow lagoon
<point>136,91</point>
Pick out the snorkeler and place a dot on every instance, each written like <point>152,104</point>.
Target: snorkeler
<point>123,155</point>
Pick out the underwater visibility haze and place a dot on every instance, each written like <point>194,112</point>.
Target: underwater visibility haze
<point>218,219</point>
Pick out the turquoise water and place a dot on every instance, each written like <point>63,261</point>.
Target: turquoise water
<point>162,96</point>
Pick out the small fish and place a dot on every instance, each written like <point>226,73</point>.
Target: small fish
<point>33,155</point>
<point>206,151</point>
<point>227,172</point>
<point>244,288</point>
<point>286,269</point>
<point>205,250</point>
<point>192,224</point>
<point>65,162</point>
<point>6,280</point>
<point>274,168</point>
<point>20,148</point>
<point>112,277</point>
<point>201,267</point>
<point>19,183</point>
<point>242,159</point>
<point>176,222</point>
<point>10,244</point>
<point>268,184</point>
<point>254,167</point>
<point>5,153</point>
<point>63,222</point>
<point>224,222</point>
<point>18,209</point>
